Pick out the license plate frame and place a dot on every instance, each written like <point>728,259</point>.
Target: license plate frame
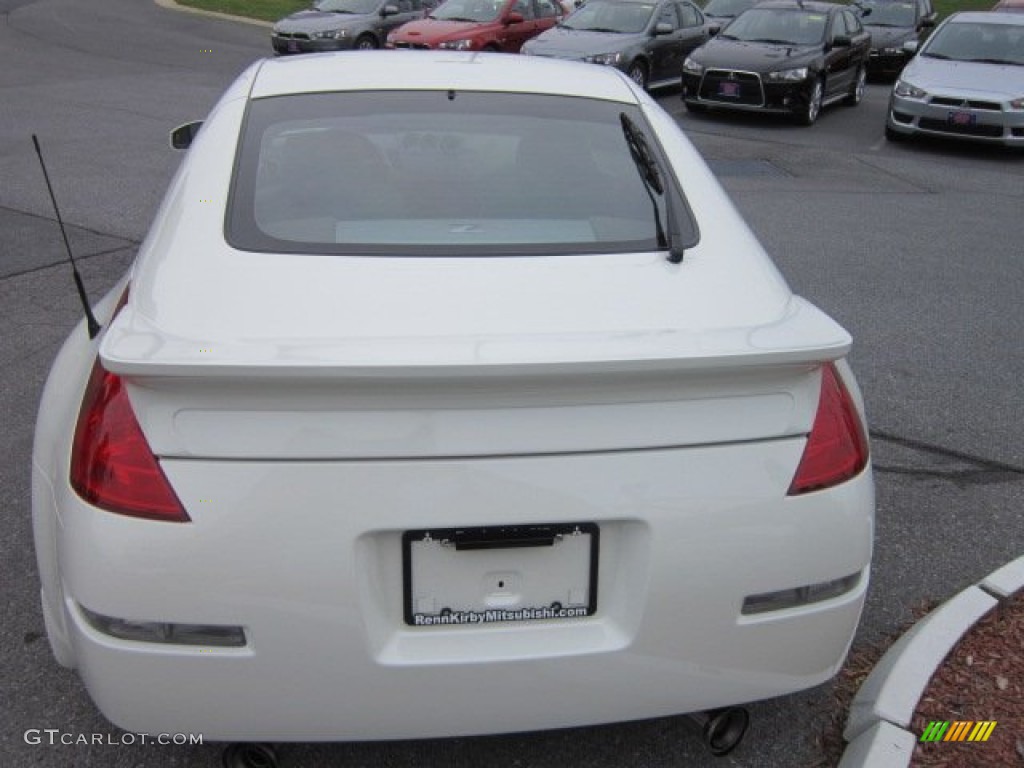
<point>961,118</point>
<point>451,576</point>
<point>729,89</point>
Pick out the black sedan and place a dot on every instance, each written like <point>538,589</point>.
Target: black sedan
<point>781,56</point>
<point>336,25</point>
<point>646,39</point>
<point>891,24</point>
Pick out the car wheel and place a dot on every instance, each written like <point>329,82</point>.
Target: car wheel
<point>366,43</point>
<point>637,72</point>
<point>491,48</point>
<point>857,89</point>
<point>809,114</point>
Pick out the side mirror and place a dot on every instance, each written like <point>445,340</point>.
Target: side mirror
<point>389,10</point>
<point>927,23</point>
<point>663,28</point>
<point>183,136</point>
<point>842,41</point>
<point>910,47</point>
<point>514,18</point>
<point>714,30</point>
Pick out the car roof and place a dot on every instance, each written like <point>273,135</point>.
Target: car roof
<point>437,70</point>
<point>986,17</point>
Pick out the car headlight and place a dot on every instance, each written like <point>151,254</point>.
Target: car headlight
<point>330,34</point>
<point>608,59</point>
<point>692,66</point>
<point>903,88</point>
<point>788,75</point>
<point>457,45</point>
<point>892,51</point>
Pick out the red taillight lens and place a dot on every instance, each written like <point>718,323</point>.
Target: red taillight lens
<point>837,448</point>
<point>112,466</point>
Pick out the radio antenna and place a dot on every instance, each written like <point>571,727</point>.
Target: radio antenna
<point>90,318</point>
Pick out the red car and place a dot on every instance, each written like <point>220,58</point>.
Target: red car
<point>479,25</point>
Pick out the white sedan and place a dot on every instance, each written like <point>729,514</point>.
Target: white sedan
<point>448,394</point>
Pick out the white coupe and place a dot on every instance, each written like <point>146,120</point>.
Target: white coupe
<point>448,394</point>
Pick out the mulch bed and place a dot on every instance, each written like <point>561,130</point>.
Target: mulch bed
<point>981,679</point>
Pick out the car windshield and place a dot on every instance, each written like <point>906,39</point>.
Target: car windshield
<point>727,7</point>
<point>602,16</point>
<point>468,10</point>
<point>347,6</point>
<point>888,14</point>
<point>977,41</point>
<point>781,26</point>
<point>441,173</point>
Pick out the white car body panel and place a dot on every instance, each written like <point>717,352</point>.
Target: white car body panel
<point>307,410</point>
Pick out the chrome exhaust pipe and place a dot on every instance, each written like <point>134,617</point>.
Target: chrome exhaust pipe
<point>721,729</point>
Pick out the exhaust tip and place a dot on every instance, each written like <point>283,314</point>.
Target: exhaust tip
<point>721,730</point>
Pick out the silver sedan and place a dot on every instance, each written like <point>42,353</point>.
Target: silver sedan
<point>967,82</point>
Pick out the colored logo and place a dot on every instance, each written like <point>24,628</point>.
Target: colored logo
<point>958,730</point>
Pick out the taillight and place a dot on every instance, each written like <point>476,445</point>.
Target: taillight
<point>837,448</point>
<point>112,465</point>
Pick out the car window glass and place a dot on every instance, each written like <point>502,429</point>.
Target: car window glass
<point>838,25</point>
<point>546,9</point>
<point>853,26</point>
<point>344,173</point>
<point>610,16</point>
<point>523,7</point>
<point>690,15</point>
<point>469,10</point>
<point>668,16</point>
<point>797,27</point>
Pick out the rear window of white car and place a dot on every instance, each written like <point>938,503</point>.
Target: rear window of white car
<point>420,173</point>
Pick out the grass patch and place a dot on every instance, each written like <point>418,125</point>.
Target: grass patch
<point>267,10</point>
<point>946,7</point>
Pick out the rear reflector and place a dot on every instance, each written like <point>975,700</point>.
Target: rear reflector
<point>112,466</point>
<point>799,596</point>
<point>216,635</point>
<point>837,448</point>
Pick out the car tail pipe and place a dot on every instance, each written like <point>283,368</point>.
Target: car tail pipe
<point>721,730</point>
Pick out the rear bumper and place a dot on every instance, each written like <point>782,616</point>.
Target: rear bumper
<point>306,557</point>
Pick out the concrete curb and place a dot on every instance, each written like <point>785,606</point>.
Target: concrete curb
<point>876,729</point>
<point>171,5</point>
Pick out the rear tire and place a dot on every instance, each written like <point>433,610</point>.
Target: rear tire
<point>366,43</point>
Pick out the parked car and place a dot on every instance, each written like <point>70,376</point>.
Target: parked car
<point>785,56</point>
<point>449,373</point>
<point>334,25</point>
<point>646,40</point>
<point>891,25</point>
<point>725,10</point>
<point>966,82</point>
<point>479,25</point>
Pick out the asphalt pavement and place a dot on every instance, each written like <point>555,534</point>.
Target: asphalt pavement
<point>916,249</point>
